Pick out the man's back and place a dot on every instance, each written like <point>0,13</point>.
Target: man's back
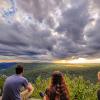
<point>12,87</point>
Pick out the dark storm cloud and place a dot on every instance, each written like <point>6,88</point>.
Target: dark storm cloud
<point>36,42</point>
<point>49,29</point>
<point>74,21</point>
<point>72,27</point>
<point>93,36</point>
<point>39,8</point>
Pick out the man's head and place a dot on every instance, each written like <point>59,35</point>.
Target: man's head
<point>19,69</point>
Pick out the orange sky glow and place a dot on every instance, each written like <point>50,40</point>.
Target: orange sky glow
<point>72,61</point>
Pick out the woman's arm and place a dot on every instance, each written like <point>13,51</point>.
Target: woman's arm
<point>45,98</point>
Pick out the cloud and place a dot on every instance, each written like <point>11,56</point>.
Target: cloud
<point>46,30</point>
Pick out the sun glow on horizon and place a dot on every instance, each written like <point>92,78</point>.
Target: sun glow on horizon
<point>84,60</point>
<point>60,61</point>
<point>78,61</point>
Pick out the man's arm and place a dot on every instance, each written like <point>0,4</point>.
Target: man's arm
<point>28,91</point>
<point>29,87</point>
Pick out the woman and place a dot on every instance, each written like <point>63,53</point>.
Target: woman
<point>58,90</point>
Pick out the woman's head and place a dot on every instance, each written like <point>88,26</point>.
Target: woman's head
<point>57,78</point>
<point>58,88</point>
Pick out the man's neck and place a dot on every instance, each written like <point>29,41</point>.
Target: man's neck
<point>19,74</point>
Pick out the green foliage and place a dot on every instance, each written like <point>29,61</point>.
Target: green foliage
<point>2,79</point>
<point>78,88</point>
<point>40,86</point>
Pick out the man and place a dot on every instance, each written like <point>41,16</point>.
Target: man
<point>14,84</point>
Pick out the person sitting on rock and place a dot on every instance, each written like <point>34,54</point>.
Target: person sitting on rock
<point>14,84</point>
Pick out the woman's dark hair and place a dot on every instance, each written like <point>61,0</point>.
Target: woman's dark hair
<point>19,69</point>
<point>58,89</point>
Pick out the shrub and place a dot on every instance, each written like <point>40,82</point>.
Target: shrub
<point>78,87</point>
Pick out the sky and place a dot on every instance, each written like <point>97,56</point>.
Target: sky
<point>50,30</point>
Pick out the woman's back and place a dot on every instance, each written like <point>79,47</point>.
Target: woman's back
<point>58,89</point>
<point>57,95</point>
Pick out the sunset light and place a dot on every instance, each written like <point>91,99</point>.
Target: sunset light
<point>83,60</point>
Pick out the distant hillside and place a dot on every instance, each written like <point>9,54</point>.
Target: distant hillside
<point>33,70</point>
<point>6,65</point>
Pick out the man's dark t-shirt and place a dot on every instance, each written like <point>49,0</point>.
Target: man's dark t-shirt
<point>12,87</point>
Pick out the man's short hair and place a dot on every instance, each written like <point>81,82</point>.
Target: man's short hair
<point>19,69</point>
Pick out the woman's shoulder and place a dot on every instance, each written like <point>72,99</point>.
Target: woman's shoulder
<point>47,91</point>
